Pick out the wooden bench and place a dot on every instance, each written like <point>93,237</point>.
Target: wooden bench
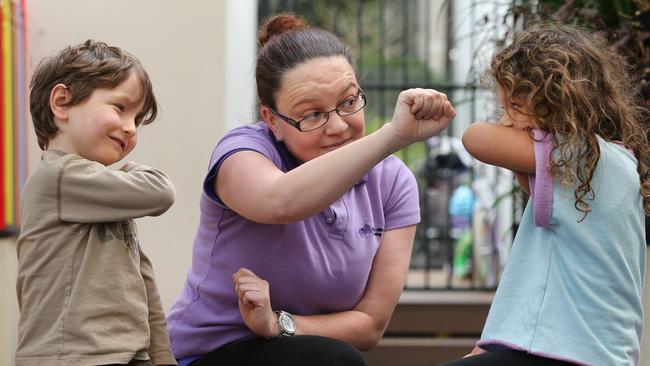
<point>431,327</point>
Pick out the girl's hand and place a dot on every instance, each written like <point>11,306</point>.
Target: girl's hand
<point>255,303</point>
<point>420,114</point>
<point>476,351</point>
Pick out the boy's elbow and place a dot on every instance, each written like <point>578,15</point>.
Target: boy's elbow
<point>169,197</point>
<point>164,200</point>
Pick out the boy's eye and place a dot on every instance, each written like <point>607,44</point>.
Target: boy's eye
<point>119,107</point>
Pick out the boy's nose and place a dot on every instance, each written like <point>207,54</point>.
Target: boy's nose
<point>129,127</point>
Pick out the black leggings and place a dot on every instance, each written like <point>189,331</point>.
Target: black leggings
<point>285,351</point>
<point>507,358</point>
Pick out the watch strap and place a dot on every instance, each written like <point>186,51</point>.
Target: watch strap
<point>284,331</point>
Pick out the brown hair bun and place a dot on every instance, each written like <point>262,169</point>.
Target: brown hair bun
<point>279,24</point>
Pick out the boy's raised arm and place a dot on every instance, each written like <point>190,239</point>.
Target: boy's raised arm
<point>89,192</point>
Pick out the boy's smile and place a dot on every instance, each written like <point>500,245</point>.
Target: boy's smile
<point>102,128</point>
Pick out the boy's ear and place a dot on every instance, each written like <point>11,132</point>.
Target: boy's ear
<point>271,121</point>
<point>59,98</point>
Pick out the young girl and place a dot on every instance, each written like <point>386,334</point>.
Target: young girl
<point>576,139</point>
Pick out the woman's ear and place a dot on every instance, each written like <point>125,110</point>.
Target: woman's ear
<point>59,98</point>
<point>271,121</point>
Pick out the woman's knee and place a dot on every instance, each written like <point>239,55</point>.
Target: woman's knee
<point>328,351</point>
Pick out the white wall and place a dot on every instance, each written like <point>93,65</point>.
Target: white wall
<point>200,57</point>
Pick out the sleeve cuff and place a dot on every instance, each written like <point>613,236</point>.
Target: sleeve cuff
<point>163,359</point>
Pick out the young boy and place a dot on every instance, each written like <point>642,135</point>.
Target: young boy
<point>86,290</point>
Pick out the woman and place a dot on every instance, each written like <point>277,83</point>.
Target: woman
<point>306,224</point>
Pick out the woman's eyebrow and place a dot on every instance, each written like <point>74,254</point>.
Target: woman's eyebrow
<point>352,85</point>
<point>315,99</point>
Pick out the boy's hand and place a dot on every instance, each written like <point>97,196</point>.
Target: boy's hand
<point>126,167</point>
<point>255,303</point>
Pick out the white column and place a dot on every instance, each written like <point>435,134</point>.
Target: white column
<point>240,53</point>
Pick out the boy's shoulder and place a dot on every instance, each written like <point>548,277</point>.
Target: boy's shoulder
<point>52,164</point>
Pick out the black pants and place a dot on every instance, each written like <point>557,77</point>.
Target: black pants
<point>507,358</point>
<point>285,351</point>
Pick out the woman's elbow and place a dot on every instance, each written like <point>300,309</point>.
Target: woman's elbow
<point>278,210</point>
<point>370,341</point>
<point>369,345</point>
<point>372,334</point>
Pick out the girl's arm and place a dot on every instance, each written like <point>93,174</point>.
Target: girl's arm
<point>362,326</point>
<point>502,146</point>
<point>522,179</point>
<point>255,188</point>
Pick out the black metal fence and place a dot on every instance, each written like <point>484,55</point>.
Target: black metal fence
<point>398,45</point>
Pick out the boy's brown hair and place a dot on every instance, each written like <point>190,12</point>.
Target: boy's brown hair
<point>83,68</point>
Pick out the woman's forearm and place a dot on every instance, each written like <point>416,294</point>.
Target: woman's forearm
<point>321,181</point>
<point>354,327</point>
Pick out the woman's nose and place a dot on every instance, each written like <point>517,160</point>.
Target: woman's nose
<point>336,124</point>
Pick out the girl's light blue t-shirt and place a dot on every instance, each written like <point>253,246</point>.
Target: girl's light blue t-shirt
<point>572,289</point>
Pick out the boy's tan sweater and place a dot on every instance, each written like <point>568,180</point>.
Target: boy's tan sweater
<point>86,291</point>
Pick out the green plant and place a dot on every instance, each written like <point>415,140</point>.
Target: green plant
<point>625,23</point>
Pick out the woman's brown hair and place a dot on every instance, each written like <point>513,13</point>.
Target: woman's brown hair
<point>286,41</point>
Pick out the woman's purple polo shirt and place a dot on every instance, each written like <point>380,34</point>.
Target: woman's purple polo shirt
<point>314,266</point>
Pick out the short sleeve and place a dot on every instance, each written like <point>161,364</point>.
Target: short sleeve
<point>541,183</point>
<point>246,138</point>
<point>402,206</point>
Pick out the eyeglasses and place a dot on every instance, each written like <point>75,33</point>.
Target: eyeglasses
<point>316,120</point>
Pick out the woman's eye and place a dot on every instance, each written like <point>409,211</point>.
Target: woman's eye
<point>312,116</point>
<point>350,102</point>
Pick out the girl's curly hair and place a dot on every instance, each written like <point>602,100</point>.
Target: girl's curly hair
<point>575,88</point>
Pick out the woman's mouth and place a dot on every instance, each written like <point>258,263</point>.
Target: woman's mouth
<point>337,144</point>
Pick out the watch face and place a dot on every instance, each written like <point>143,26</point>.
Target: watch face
<point>287,323</point>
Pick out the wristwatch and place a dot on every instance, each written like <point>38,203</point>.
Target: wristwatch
<point>287,324</point>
